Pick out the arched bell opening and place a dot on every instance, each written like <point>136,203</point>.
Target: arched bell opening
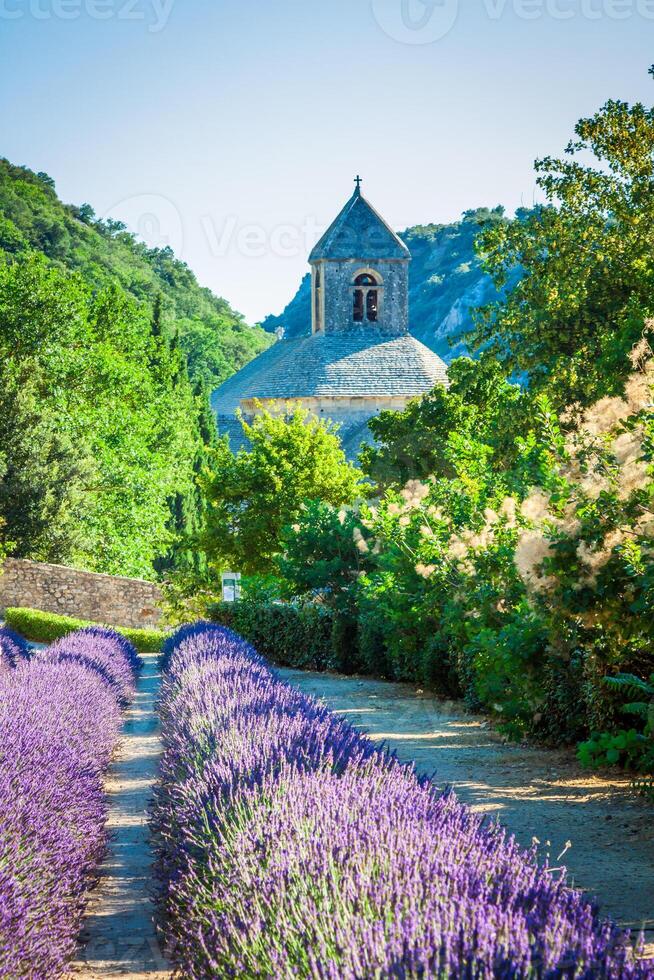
<point>358,306</point>
<point>367,297</point>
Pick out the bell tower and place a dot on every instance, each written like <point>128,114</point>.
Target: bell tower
<point>360,274</point>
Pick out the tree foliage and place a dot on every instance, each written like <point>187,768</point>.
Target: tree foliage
<point>42,476</point>
<point>587,259</point>
<point>108,352</point>
<point>215,338</point>
<point>321,553</point>
<point>479,403</point>
<point>254,495</point>
<point>99,429</point>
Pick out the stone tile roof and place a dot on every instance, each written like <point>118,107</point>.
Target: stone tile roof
<point>364,363</point>
<point>359,232</point>
<point>230,426</point>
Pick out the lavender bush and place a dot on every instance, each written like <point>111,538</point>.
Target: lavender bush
<point>290,847</point>
<point>59,721</point>
<point>106,652</point>
<point>13,649</point>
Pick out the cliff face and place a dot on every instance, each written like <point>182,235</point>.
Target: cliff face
<point>446,283</point>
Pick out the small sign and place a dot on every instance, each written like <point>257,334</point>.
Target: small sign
<point>231,586</point>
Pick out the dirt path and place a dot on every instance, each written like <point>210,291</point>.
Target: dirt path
<point>534,792</point>
<point>119,937</point>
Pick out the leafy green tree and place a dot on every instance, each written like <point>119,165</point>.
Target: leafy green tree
<point>157,317</point>
<point>42,312</point>
<point>211,361</point>
<point>42,478</point>
<point>587,259</point>
<point>254,495</point>
<point>86,214</point>
<point>186,559</point>
<point>91,395</point>
<point>415,443</point>
<point>323,554</point>
<point>32,218</point>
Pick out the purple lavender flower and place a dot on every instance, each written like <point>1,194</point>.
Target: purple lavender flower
<point>59,722</point>
<point>13,648</point>
<point>289,846</point>
<point>108,653</point>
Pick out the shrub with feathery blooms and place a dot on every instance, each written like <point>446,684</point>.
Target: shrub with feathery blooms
<point>290,846</point>
<point>519,574</point>
<point>59,721</point>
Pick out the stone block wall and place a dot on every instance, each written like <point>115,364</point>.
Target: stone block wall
<point>338,290</point>
<point>347,409</point>
<point>84,595</point>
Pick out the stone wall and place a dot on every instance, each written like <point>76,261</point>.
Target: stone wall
<point>84,595</point>
<point>353,408</point>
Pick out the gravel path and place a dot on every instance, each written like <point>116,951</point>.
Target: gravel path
<point>534,792</point>
<point>119,937</point>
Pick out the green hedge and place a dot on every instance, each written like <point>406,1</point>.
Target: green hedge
<point>289,635</point>
<point>42,627</point>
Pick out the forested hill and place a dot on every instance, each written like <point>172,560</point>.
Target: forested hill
<point>215,338</point>
<point>445,282</point>
<point>107,352</point>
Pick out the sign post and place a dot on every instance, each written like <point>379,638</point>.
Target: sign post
<point>231,586</point>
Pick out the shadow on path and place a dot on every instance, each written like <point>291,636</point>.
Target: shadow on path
<point>534,792</point>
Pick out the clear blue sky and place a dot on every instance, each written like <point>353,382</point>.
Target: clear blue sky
<point>233,129</point>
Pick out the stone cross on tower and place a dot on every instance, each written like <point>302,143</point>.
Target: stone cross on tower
<point>357,181</point>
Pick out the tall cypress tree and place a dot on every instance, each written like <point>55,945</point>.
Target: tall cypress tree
<point>188,510</point>
<point>157,317</point>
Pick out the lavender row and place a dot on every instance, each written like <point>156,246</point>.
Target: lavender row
<point>13,649</point>
<point>290,847</point>
<point>59,722</point>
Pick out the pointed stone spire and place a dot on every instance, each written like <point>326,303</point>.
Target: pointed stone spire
<point>359,232</point>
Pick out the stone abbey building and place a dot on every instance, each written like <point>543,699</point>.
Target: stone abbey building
<point>359,358</point>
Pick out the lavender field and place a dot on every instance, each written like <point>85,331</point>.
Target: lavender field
<point>60,714</point>
<point>289,846</point>
<point>286,843</point>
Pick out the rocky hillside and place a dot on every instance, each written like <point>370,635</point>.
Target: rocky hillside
<point>445,283</point>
